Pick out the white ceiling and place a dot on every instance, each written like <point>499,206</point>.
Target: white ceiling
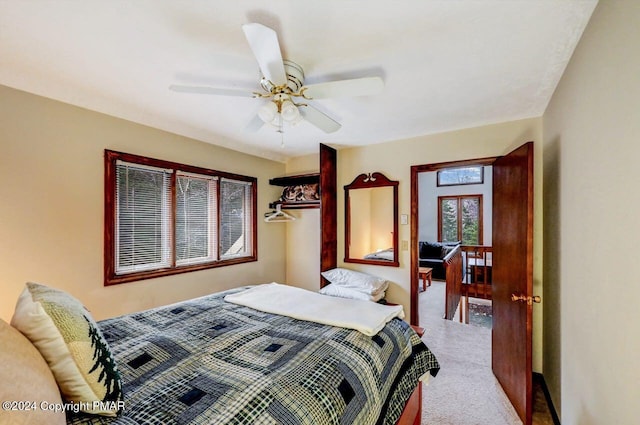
<point>446,64</point>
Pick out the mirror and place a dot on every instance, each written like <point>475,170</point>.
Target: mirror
<point>371,220</point>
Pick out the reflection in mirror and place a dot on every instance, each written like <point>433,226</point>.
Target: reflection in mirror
<point>371,220</point>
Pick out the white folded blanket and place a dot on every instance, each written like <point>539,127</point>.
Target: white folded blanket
<point>365,316</point>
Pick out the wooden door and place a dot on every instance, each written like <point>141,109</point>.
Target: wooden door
<point>513,274</point>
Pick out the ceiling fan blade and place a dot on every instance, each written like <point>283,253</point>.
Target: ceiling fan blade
<point>255,124</point>
<point>265,47</point>
<point>211,90</point>
<point>344,88</point>
<point>319,119</point>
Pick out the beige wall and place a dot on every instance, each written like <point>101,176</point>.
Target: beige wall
<point>303,249</point>
<point>51,205</point>
<point>303,235</point>
<point>395,160</point>
<point>592,146</point>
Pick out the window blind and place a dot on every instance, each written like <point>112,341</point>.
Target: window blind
<point>196,223</point>
<point>143,215</point>
<point>235,214</point>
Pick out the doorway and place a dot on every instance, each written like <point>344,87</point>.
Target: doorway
<point>455,231</point>
<point>416,170</point>
<point>512,273</point>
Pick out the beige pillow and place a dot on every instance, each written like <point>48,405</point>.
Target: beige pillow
<point>25,377</point>
<point>71,342</point>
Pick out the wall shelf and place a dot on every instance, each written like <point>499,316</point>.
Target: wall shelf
<point>296,180</point>
<point>295,205</point>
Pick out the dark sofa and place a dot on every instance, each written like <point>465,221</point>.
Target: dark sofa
<point>434,255</point>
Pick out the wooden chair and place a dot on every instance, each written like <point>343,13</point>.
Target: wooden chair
<point>478,262</point>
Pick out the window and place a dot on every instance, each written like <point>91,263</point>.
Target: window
<point>460,219</point>
<point>461,175</point>
<point>164,218</point>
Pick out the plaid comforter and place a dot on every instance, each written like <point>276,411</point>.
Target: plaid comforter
<point>206,361</point>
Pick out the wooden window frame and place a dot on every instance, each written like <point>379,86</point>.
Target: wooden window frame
<point>110,277</point>
<point>438,172</point>
<point>459,199</point>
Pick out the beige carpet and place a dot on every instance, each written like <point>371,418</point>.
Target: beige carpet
<point>465,392</point>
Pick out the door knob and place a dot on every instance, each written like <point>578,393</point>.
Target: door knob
<point>527,299</point>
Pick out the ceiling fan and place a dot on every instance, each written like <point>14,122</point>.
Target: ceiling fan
<point>283,85</point>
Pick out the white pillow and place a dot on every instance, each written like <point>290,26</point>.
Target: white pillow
<point>356,280</point>
<point>343,292</point>
<point>68,338</point>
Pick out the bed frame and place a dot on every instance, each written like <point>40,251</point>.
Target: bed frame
<point>412,413</point>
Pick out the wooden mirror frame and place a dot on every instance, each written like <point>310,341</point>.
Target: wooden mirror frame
<point>368,181</point>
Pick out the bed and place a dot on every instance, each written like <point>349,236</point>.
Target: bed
<point>383,254</point>
<point>207,361</point>
<point>212,360</point>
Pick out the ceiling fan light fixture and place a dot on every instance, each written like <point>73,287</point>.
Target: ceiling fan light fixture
<point>268,112</point>
<point>289,111</point>
<point>276,121</point>
<point>297,120</point>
